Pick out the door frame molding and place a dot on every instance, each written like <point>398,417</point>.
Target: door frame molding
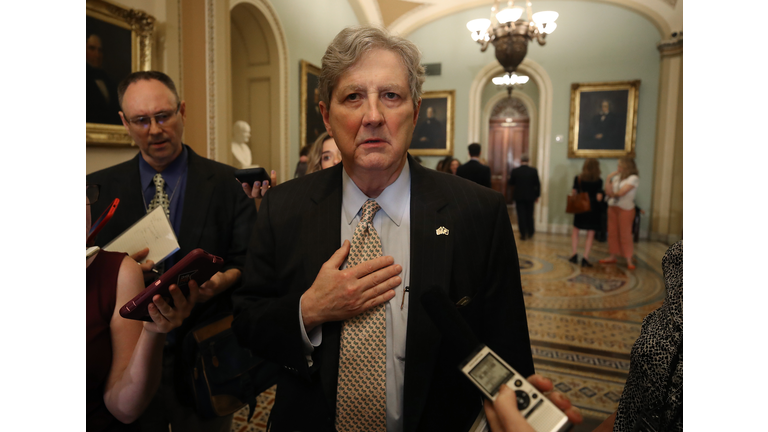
<point>540,126</point>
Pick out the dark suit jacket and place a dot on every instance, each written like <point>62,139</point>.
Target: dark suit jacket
<point>525,179</point>
<point>475,171</point>
<point>217,217</point>
<point>299,229</point>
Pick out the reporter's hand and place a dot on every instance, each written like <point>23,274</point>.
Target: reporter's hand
<point>560,400</point>
<point>147,267</point>
<point>336,295</point>
<point>503,415</point>
<point>166,318</point>
<point>212,287</point>
<point>258,190</point>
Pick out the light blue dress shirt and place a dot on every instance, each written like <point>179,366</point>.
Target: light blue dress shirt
<point>393,223</point>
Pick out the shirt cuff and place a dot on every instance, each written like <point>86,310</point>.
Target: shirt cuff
<point>311,340</point>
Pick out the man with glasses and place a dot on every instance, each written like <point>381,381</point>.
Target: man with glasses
<point>206,207</point>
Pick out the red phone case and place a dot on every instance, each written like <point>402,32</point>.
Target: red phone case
<point>106,215</point>
<point>198,265</point>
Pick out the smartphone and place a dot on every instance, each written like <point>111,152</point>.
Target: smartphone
<point>250,175</point>
<point>198,265</point>
<point>106,215</point>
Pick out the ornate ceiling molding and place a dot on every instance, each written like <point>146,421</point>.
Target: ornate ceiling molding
<point>658,12</point>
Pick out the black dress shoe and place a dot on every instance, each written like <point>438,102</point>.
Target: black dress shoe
<point>574,259</point>
<point>585,263</point>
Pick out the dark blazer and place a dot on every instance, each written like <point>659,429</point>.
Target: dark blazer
<point>525,179</point>
<point>299,229</point>
<point>475,171</point>
<point>217,217</point>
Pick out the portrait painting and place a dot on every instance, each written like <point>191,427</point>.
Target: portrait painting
<point>311,119</point>
<point>107,62</point>
<point>433,135</point>
<point>118,42</point>
<point>603,119</point>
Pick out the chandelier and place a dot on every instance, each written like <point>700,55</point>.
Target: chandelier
<point>509,34</point>
<point>510,81</point>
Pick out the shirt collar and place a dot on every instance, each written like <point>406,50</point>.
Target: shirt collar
<point>170,174</point>
<point>392,199</point>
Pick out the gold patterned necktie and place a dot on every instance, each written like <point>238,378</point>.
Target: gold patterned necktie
<point>361,398</point>
<point>161,198</point>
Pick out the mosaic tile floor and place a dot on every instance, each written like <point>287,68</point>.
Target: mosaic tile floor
<point>582,322</point>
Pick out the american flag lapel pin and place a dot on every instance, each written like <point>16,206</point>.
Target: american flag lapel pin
<point>442,231</point>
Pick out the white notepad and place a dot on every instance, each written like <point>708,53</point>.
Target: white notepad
<point>153,231</point>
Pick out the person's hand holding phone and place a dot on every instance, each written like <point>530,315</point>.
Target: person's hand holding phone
<point>166,317</point>
<point>503,415</point>
<point>257,189</point>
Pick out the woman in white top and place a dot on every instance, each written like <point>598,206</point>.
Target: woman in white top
<point>621,188</point>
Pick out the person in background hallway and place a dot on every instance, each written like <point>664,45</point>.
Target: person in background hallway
<point>301,165</point>
<point>123,357</point>
<point>527,189</point>
<point>588,181</point>
<point>323,154</point>
<point>354,246</point>
<point>621,189</point>
<point>444,164</point>
<point>453,167</point>
<point>652,399</point>
<point>206,208</point>
<point>474,169</point>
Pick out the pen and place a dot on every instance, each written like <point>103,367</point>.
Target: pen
<point>153,270</point>
<point>405,291</point>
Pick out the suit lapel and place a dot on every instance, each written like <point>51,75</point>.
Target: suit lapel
<point>197,197</point>
<point>321,232</point>
<point>431,256</point>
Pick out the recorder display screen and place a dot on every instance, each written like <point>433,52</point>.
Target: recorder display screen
<point>490,374</point>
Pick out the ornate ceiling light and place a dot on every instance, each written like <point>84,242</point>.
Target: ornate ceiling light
<point>509,34</point>
<point>510,81</point>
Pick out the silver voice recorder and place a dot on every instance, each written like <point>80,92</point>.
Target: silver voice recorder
<point>489,372</point>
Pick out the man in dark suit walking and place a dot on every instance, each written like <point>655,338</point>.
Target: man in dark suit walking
<point>525,181</point>
<point>206,207</point>
<point>354,247</point>
<point>474,169</point>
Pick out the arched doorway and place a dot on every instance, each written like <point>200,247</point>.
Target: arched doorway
<point>255,82</point>
<point>507,141</point>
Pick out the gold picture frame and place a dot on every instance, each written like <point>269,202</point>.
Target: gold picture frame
<point>116,21</point>
<point>603,121</point>
<point>433,135</point>
<point>311,121</point>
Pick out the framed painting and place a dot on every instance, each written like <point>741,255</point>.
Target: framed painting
<point>311,120</point>
<point>433,135</point>
<point>603,119</point>
<point>118,42</point>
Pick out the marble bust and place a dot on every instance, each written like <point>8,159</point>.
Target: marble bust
<point>241,133</point>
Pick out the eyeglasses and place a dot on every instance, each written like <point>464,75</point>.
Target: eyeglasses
<point>92,193</point>
<point>161,118</point>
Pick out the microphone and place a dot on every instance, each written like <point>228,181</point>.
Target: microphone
<point>487,371</point>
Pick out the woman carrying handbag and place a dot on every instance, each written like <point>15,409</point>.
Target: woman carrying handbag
<point>588,181</point>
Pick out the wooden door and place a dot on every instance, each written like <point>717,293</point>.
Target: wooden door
<point>507,141</point>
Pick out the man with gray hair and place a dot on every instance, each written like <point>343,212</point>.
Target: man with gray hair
<point>340,259</point>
